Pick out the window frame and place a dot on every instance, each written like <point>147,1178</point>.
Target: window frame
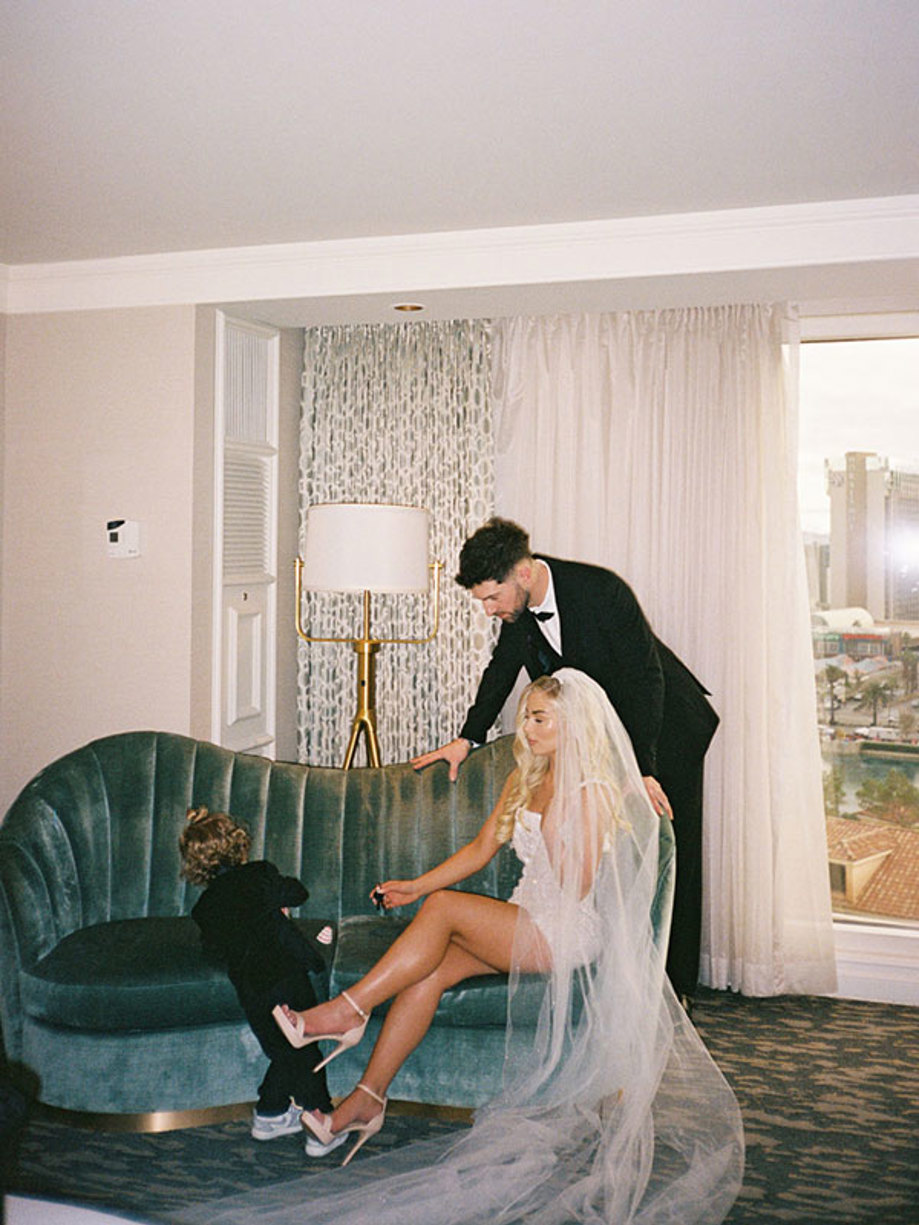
<point>875,960</point>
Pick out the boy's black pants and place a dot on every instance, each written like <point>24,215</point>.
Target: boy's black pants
<point>291,1073</point>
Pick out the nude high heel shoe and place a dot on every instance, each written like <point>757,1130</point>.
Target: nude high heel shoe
<point>324,1134</point>
<point>294,1033</point>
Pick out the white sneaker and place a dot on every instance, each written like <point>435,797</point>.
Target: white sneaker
<point>315,1149</point>
<point>270,1126</point>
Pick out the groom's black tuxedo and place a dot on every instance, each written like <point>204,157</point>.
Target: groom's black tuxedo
<point>661,704</point>
<point>605,634</point>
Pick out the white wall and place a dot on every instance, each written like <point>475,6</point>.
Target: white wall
<point>99,424</point>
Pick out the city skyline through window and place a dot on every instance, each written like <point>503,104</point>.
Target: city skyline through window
<point>855,395</point>
<point>859,442</point>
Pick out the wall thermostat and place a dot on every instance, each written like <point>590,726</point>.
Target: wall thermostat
<point>123,538</point>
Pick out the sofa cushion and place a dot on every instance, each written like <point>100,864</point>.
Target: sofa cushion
<point>130,974</point>
<point>138,974</point>
<point>481,1000</point>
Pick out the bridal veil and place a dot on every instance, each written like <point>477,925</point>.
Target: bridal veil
<point>616,1113</point>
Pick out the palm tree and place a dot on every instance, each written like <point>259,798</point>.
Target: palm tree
<point>832,676</point>
<point>909,662</point>
<point>874,693</point>
<point>833,791</point>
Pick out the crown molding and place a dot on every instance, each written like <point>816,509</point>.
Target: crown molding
<point>684,244</point>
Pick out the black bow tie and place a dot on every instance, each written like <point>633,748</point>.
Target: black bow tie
<point>543,616</point>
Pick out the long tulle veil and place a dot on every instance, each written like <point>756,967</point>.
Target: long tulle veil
<point>616,1113</point>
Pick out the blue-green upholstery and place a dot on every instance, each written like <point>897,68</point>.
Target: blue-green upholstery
<point>105,997</point>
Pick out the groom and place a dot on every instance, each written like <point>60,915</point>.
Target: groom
<point>567,614</point>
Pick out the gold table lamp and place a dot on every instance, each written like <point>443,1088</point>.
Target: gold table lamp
<point>366,547</point>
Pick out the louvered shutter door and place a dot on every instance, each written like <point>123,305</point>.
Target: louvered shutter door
<point>247,464</point>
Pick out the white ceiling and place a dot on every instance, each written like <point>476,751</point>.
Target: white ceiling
<point>148,126</point>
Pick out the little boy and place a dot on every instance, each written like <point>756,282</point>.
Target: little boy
<point>244,921</point>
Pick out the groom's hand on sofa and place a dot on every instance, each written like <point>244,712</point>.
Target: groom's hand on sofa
<point>455,753</point>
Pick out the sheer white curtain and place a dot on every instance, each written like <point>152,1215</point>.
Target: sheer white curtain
<point>662,444</point>
<point>396,413</point>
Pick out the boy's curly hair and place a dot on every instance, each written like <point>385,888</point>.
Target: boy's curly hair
<point>210,842</point>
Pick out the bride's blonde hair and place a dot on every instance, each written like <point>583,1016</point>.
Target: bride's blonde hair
<point>581,729</point>
<point>531,770</point>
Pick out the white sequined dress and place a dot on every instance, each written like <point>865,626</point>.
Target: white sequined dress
<point>557,915</point>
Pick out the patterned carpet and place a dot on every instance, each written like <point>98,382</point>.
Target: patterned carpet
<point>829,1091</point>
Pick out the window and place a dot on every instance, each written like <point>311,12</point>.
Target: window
<point>859,493</point>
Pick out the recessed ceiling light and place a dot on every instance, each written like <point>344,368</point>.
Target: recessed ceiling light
<point>408,307</point>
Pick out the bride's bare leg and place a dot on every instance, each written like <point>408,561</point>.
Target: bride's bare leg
<point>406,1023</point>
<point>481,926</point>
<point>412,1011</point>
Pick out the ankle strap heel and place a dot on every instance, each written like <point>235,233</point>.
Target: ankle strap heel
<point>350,1037</point>
<point>365,1016</point>
<point>376,1097</point>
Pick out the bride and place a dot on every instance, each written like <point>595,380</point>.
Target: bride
<point>616,1113</point>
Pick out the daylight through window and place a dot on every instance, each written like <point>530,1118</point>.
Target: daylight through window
<point>859,492</point>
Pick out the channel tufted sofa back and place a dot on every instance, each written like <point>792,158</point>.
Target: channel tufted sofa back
<point>90,848</point>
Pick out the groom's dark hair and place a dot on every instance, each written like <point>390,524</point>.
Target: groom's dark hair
<point>490,554</point>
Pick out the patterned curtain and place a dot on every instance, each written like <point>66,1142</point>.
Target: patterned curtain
<point>398,414</point>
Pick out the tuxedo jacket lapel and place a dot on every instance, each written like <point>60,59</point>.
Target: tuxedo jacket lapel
<point>569,612</point>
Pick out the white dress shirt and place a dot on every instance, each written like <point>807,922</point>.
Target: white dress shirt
<point>552,626</point>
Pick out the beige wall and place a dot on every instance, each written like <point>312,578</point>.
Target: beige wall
<point>202,590</point>
<point>290,381</point>
<point>109,414</point>
<point>2,502</point>
<point>99,424</point>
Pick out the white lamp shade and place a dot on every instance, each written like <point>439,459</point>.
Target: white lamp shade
<point>353,546</point>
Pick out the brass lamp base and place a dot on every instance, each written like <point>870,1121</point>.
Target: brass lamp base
<point>365,718</point>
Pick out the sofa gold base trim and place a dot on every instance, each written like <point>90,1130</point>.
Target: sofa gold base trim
<point>152,1121</point>
<point>174,1120</point>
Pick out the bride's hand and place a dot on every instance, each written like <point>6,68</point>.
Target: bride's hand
<point>393,893</point>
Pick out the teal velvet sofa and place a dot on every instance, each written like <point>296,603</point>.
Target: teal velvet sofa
<point>106,1001</point>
